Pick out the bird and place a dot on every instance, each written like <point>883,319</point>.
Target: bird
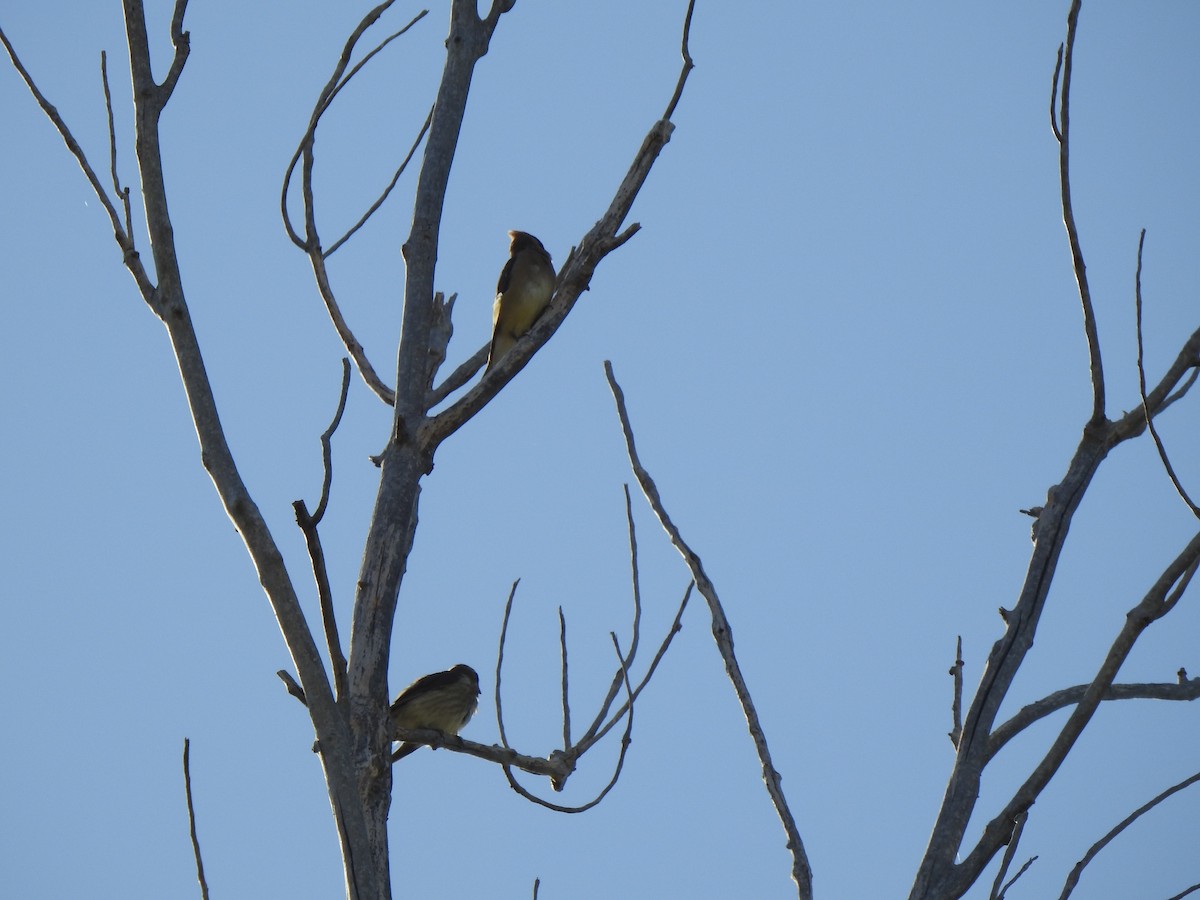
<point>443,701</point>
<point>522,293</point>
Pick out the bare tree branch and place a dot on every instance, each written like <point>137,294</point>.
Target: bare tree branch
<point>1077,871</point>
<point>723,634</point>
<point>573,279</point>
<point>122,192</point>
<point>123,238</point>
<point>1010,851</point>
<point>635,632</point>
<point>1033,712</point>
<point>956,672</point>
<point>568,759</point>
<point>597,732</point>
<point>374,207</point>
<point>566,695</point>
<point>187,787</point>
<point>1158,602</point>
<point>1021,871</point>
<point>1063,133</point>
<point>941,874</point>
<point>1162,451</point>
<point>311,243</point>
<point>292,686</point>
<point>312,539</point>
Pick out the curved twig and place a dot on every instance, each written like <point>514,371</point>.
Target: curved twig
<point>1063,133</point>
<point>1077,871</point>
<point>1033,712</point>
<point>635,638</point>
<point>187,787</point>
<point>122,192</point>
<point>312,539</point>
<point>311,242</point>
<point>998,886</point>
<point>723,635</point>
<point>626,740</point>
<point>1141,367</point>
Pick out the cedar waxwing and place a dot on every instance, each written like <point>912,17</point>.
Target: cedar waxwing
<point>523,292</point>
<point>444,701</point>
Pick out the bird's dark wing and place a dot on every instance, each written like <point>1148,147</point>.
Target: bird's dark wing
<point>505,275</point>
<point>436,681</point>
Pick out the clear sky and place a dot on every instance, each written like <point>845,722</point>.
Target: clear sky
<point>851,344</point>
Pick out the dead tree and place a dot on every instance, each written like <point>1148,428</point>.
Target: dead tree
<point>951,866</point>
<point>347,696</point>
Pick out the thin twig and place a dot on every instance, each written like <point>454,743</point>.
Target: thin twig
<point>626,740</point>
<point>956,672</point>
<point>123,238</point>
<point>1162,451</point>
<point>615,687</point>
<point>596,733</point>
<point>293,687</point>
<point>566,701</point>
<point>1010,851</point>
<point>312,539</point>
<point>123,193</point>
<point>1054,95</point>
<point>311,243</point>
<point>504,756</point>
<point>319,108</point>
<point>688,64</point>
<point>187,786</point>
<point>1184,689</point>
<point>723,635</point>
<point>1021,871</point>
<point>1185,892</point>
<point>1077,871</point>
<point>1064,169</point>
<point>387,190</point>
<point>180,40</point>
<point>327,444</point>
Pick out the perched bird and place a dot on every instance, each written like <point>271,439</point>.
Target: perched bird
<point>523,292</point>
<point>444,701</point>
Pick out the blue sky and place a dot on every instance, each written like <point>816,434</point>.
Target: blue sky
<point>851,345</point>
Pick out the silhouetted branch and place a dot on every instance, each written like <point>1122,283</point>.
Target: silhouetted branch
<point>1033,712</point>
<point>292,686</point>
<point>1009,852</point>
<point>956,672</point>
<point>1063,133</point>
<point>1162,451</point>
<point>566,694</point>
<point>1162,597</point>
<point>688,65</point>
<point>187,787</point>
<point>573,279</point>
<point>311,242</point>
<point>123,238</point>
<point>1077,871</point>
<point>312,539</point>
<point>723,635</point>
<point>122,192</point>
